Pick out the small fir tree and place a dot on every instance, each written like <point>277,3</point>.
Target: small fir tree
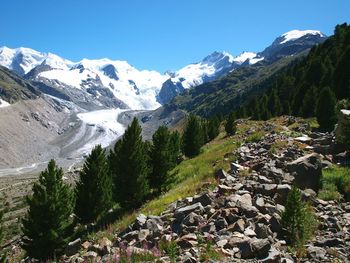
<point>213,128</point>
<point>230,126</point>
<point>298,219</point>
<point>47,226</point>
<point>94,190</point>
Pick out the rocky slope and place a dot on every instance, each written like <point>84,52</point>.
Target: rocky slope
<point>240,217</point>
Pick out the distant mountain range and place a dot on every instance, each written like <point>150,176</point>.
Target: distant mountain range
<point>106,83</point>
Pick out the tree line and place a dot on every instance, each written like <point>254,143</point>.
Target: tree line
<point>133,171</point>
<point>310,88</point>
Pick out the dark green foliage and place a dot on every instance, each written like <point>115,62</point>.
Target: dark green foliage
<point>298,219</point>
<point>230,125</point>
<point>192,139</point>
<point>292,86</point>
<point>309,103</point>
<point>47,227</point>
<point>274,103</point>
<point>213,128</point>
<point>129,166</point>
<point>325,110</point>
<point>175,146</point>
<point>162,157</point>
<point>94,190</point>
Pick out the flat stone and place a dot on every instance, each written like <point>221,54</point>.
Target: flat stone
<point>183,211</point>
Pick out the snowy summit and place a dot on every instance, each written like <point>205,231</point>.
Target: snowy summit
<point>295,34</point>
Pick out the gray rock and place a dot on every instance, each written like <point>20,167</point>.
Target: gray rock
<point>204,199</point>
<point>183,211</point>
<point>192,219</point>
<point>220,223</point>
<point>329,242</point>
<point>239,226</point>
<point>221,174</point>
<point>261,247</point>
<point>261,230</point>
<point>73,247</point>
<point>307,171</point>
<point>316,253</point>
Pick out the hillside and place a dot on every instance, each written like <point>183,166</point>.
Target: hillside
<point>227,93</point>
<point>231,197</point>
<point>297,84</point>
<point>14,88</point>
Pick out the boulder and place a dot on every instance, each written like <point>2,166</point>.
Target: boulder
<point>204,199</point>
<point>183,211</point>
<point>307,171</point>
<point>221,174</point>
<point>73,247</point>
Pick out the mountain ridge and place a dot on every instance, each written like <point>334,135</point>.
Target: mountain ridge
<point>137,89</point>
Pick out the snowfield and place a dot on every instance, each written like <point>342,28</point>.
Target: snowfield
<point>4,104</point>
<point>295,34</point>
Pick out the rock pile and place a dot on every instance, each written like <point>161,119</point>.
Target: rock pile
<point>240,218</point>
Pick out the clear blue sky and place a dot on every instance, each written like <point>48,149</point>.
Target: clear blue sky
<point>159,34</point>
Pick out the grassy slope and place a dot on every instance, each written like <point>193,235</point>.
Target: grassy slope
<point>191,176</point>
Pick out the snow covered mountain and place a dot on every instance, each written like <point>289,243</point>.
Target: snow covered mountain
<point>107,83</point>
<point>211,67</point>
<point>292,42</point>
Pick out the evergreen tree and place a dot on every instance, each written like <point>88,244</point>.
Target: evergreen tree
<point>94,190</point>
<point>265,113</point>
<point>175,147</point>
<point>192,139</point>
<point>47,227</point>
<point>129,166</point>
<point>309,105</point>
<point>274,103</point>
<point>325,110</point>
<point>204,128</point>
<point>230,126</point>
<point>213,128</point>
<point>298,219</point>
<point>161,158</point>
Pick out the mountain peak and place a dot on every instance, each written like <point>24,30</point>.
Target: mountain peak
<point>295,34</point>
<point>216,56</point>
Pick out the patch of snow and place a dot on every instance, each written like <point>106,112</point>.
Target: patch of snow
<point>240,59</point>
<point>4,104</point>
<point>255,60</point>
<point>345,112</point>
<point>295,34</point>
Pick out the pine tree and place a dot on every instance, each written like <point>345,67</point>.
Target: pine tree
<point>47,227</point>
<point>192,139</point>
<point>298,219</point>
<point>309,105</point>
<point>175,147</point>
<point>274,103</point>
<point>325,110</point>
<point>213,128</point>
<point>129,166</point>
<point>230,126</point>
<point>161,159</point>
<point>94,190</point>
